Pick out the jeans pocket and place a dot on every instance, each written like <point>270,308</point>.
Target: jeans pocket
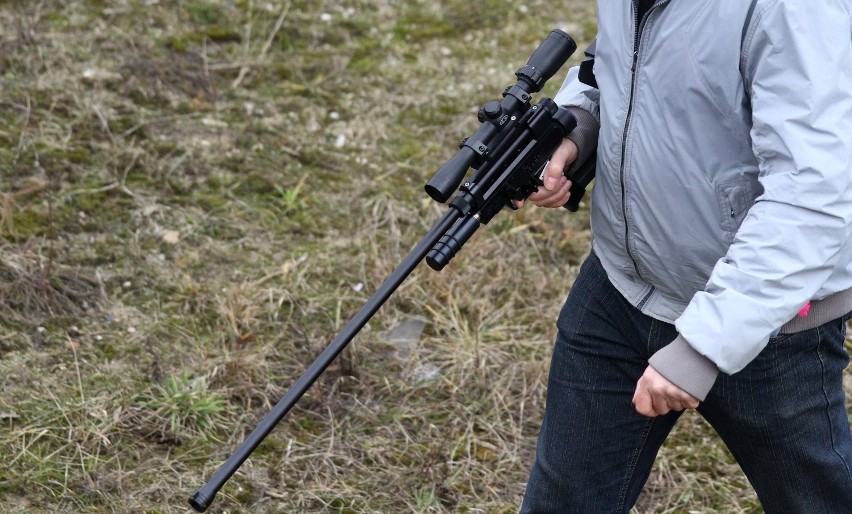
<point>780,338</point>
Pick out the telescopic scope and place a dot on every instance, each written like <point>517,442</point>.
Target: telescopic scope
<point>550,55</point>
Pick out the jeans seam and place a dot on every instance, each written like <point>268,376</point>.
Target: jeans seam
<point>632,467</point>
<point>828,404</point>
<point>648,344</point>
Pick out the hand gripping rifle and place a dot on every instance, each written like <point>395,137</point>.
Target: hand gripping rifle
<point>509,153</point>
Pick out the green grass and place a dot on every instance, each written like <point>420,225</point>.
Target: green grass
<point>197,196</point>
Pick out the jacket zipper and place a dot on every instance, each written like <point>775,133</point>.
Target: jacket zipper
<point>639,24</point>
<point>646,298</point>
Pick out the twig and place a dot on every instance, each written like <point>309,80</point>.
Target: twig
<point>77,367</point>
<point>160,119</point>
<point>280,21</point>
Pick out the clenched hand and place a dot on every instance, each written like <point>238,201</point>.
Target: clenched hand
<point>656,396</point>
<point>557,188</point>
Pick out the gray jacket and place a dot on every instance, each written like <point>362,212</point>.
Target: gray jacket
<point>723,198</point>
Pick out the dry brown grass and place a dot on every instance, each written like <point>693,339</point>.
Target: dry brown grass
<point>198,194</point>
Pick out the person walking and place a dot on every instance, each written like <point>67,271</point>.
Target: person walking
<point>720,277</point>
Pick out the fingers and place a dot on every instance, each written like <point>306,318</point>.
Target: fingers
<point>556,197</point>
<point>643,404</point>
<point>562,159</point>
<point>556,189</point>
<point>656,396</point>
<point>553,198</point>
<point>554,173</point>
<point>660,405</point>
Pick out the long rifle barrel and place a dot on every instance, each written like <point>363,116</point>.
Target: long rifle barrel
<point>204,496</point>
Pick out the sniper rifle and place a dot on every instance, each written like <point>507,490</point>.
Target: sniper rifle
<point>509,152</point>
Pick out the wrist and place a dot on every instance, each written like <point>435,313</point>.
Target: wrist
<point>683,366</point>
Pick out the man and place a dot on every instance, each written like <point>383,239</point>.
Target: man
<point>721,272</point>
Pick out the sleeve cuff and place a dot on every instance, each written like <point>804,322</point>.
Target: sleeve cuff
<point>585,135</point>
<point>685,367</point>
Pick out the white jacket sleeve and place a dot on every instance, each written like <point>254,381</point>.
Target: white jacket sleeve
<point>799,70</point>
<point>575,93</point>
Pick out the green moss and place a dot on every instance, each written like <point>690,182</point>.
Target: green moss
<point>454,19</point>
<point>218,34</point>
<point>413,29</point>
<point>367,57</point>
<point>256,183</point>
<point>30,222</point>
<point>222,35</point>
<point>346,506</point>
<point>55,18</point>
<point>80,155</point>
<point>439,114</point>
<point>209,201</point>
<point>59,159</point>
<point>178,43</point>
<point>204,13</point>
<point>122,124</point>
<point>58,324</point>
<point>164,147</point>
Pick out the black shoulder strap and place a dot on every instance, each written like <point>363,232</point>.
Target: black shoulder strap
<point>587,73</point>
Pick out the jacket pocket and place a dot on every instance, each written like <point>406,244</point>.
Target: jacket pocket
<point>735,199</point>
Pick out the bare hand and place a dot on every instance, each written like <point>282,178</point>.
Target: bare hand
<point>557,188</point>
<point>656,396</point>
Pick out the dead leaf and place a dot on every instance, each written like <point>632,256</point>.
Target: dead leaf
<point>171,236</point>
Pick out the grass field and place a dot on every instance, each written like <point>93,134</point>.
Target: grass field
<point>196,197</point>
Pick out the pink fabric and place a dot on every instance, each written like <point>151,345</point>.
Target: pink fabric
<point>805,310</point>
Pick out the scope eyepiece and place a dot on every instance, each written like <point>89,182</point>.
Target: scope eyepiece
<point>550,55</point>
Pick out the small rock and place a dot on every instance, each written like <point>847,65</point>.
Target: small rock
<point>426,372</point>
<point>97,75</point>
<point>171,236</point>
<point>404,337</point>
<point>210,122</point>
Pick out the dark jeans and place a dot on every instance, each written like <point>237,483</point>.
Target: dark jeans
<point>782,417</point>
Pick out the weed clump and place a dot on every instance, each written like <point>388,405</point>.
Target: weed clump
<point>176,410</point>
